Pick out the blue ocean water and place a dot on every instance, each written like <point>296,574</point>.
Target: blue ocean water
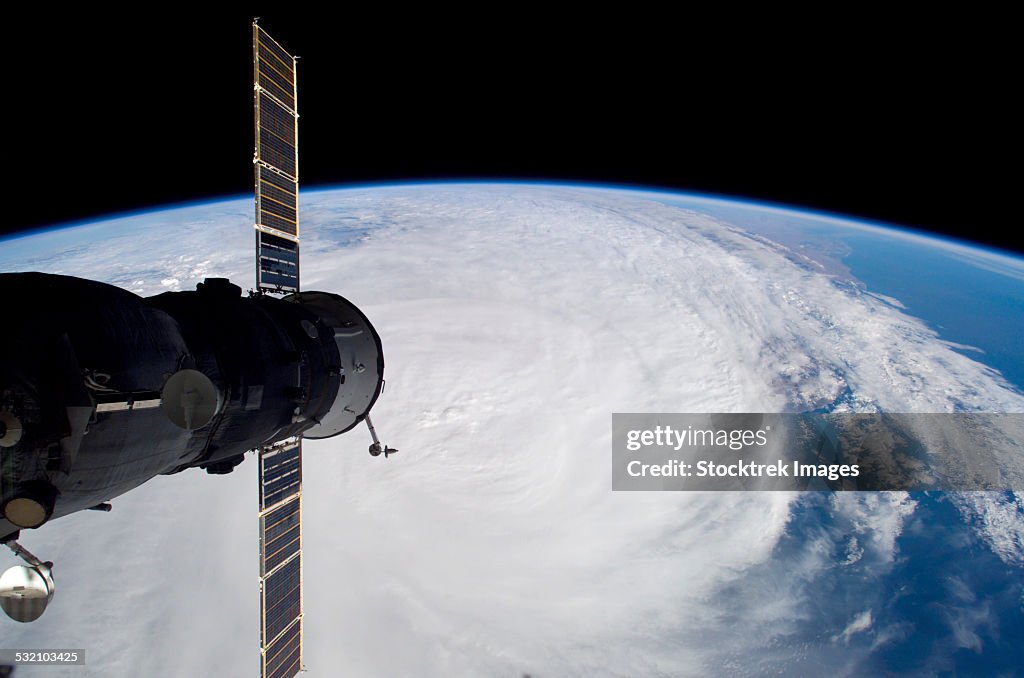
<point>962,291</point>
<point>946,605</point>
<point>956,607</point>
<point>967,304</point>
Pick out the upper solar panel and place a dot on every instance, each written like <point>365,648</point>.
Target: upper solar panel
<point>277,166</point>
<point>276,133</point>
<point>278,202</point>
<point>275,68</point>
<point>275,144</point>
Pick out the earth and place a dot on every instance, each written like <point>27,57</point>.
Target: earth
<point>515,320</point>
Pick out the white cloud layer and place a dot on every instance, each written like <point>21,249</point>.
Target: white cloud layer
<point>515,320</point>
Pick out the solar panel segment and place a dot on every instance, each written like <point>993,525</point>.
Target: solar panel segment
<point>281,632</point>
<point>275,68</point>
<point>282,599</point>
<point>277,78</point>
<point>277,166</point>
<point>276,139</point>
<point>280,532</point>
<point>283,657</point>
<point>281,558</point>
<point>280,473</point>
<point>279,203</point>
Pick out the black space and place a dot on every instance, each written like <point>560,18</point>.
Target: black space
<point>106,115</point>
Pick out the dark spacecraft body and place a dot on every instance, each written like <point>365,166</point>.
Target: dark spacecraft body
<point>101,389</point>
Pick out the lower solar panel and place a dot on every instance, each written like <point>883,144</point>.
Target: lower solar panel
<point>280,485</point>
<point>283,657</point>
<point>281,629</point>
<point>282,599</point>
<point>280,472</point>
<point>280,534</point>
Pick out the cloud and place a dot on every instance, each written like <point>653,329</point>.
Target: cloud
<point>999,519</point>
<point>859,624</point>
<point>515,320</point>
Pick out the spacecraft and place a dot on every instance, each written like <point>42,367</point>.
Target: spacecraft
<point>101,390</point>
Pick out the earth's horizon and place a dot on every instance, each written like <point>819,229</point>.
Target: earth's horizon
<point>723,198</point>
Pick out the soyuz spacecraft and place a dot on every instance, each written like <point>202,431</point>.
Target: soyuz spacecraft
<point>102,390</point>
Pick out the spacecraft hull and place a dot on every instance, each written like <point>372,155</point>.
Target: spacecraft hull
<point>86,375</point>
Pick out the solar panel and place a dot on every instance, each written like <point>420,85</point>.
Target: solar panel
<point>282,599</point>
<point>278,78</point>
<point>278,263</point>
<point>275,68</point>
<point>277,166</point>
<point>283,657</point>
<point>277,270</point>
<point>280,472</point>
<point>281,558</point>
<point>276,139</point>
<point>277,208</point>
<point>279,200</point>
<point>280,532</point>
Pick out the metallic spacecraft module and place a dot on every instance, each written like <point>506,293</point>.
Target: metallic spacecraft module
<point>102,390</point>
